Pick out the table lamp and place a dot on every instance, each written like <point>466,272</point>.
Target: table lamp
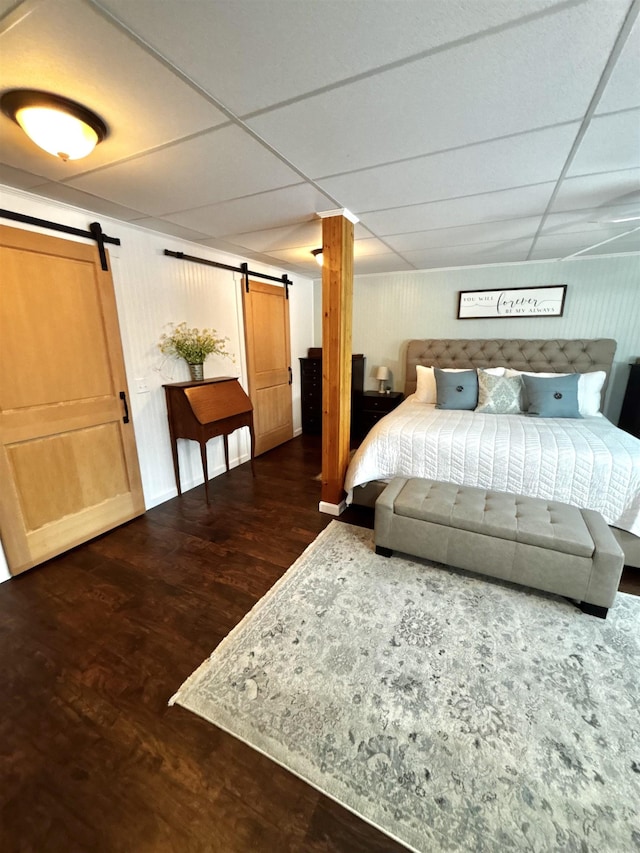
<point>382,375</point>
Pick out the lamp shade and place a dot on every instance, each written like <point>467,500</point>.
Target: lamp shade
<point>317,254</point>
<point>61,127</point>
<point>382,373</point>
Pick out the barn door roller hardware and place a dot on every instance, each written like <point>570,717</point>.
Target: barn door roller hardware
<point>94,233</point>
<point>243,269</point>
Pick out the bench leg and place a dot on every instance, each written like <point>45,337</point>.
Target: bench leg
<point>593,609</point>
<point>383,552</point>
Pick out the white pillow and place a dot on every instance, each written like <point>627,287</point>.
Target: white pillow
<point>425,384</point>
<point>426,381</point>
<point>589,389</point>
<point>589,392</point>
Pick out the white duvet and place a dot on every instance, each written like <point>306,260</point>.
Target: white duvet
<point>589,463</point>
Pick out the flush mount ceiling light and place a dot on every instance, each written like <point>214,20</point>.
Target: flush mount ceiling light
<point>61,127</point>
<point>317,254</point>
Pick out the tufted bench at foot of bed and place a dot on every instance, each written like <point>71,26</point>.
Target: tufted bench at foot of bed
<point>542,544</point>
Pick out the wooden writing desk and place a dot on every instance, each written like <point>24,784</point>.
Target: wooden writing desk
<point>204,409</point>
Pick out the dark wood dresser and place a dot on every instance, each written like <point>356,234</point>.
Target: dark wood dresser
<point>205,409</point>
<point>311,392</point>
<point>630,415</point>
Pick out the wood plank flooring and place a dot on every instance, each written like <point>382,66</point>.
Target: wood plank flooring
<point>93,644</point>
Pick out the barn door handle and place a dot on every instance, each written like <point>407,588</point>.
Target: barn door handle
<point>290,376</point>
<point>123,397</point>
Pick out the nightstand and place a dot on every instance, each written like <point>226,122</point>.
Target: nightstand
<point>373,406</point>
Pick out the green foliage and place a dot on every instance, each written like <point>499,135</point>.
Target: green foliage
<point>194,345</point>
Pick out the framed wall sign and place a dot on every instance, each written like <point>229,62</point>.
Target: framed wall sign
<point>547,301</point>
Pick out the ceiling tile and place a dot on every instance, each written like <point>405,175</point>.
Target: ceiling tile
<point>456,256</point>
<point>230,248</point>
<point>277,208</point>
<point>628,244</point>
<point>485,207</point>
<point>611,143</point>
<point>527,159</point>
<point>285,51</point>
<point>370,246</point>
<point>304,234</point>
<point>169,228</point>
<point>77,198</point>
<point>622,90</point>
<point>166,180</point>
<point>6,5</point>
<point>453,98</point>
<point>487,232</point>
<point>604,190</point>
<point>562,245</point>
<point>297,255</point>
<point>19,178</point>
<point>68,48</point>
<point>367,264</point>
<point>300,235</point>
<point>386,261</point>
<point>586,221</point>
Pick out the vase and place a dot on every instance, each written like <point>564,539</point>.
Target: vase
<point>196,371</point>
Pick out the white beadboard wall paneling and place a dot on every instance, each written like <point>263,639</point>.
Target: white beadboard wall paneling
<point>153,290</point>
<point>603,301</point>
<point>301,307</point>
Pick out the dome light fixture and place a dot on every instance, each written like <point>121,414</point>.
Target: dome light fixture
<point>317,254</point>
<point>60,126</point>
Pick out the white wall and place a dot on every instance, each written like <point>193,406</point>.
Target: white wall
<point>152,290</point>
<point>603,301</point>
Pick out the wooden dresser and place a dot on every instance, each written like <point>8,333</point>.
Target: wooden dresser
<point>205,409</point>
<point>311,392</point>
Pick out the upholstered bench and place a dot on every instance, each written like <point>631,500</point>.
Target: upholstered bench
<point>538,543</point>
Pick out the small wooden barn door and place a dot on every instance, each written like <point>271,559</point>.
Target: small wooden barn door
<point>68,461</point>
<point>266,327</point>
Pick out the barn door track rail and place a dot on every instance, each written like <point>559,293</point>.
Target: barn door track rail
<point>94,233</point>
<point>243,269</point>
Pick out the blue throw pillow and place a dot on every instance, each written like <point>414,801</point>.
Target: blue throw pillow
<point>553,397</point>
<point>456,390</point>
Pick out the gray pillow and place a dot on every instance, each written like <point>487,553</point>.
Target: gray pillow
<point>456,390</point>
<point>553,397</point>
<point>499,395</point>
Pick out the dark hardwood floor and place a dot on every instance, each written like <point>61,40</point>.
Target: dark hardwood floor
<point>95,642</point>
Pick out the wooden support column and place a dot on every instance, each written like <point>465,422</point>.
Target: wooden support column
<point>337,302</point>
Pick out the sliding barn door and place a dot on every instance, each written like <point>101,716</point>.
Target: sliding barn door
<point>68,461</point>
<point>266,326</point>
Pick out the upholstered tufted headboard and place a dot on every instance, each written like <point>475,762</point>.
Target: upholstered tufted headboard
<point>550,356</point>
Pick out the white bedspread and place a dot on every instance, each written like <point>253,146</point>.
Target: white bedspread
<point>589,463</point>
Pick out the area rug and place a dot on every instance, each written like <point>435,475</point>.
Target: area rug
<point>453,712</point>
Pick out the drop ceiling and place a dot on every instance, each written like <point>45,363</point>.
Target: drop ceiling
<point>459,132</point>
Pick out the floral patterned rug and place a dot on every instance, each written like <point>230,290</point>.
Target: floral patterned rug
<point>454,713</point>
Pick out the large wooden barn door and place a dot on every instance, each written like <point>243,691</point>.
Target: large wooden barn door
<point>266,325</point>
<point>68,460</point>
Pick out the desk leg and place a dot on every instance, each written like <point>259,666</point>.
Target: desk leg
<point>205,469</point>
<point>225,438</point>
<point>176,467</point>
<point>253,448</point>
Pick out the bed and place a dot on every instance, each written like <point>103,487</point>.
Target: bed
<point>587,462</point>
